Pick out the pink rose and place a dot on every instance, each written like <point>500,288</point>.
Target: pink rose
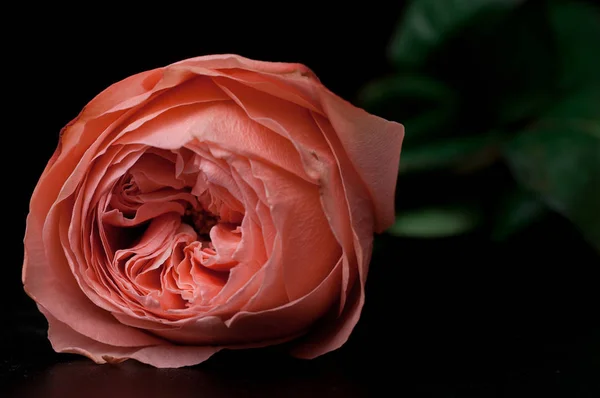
<point>218,202</point>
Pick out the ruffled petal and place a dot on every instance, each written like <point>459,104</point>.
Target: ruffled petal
<point>160,355</point>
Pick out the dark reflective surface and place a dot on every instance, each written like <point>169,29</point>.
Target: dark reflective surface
<point>456,318</point>
<point>132,380</point>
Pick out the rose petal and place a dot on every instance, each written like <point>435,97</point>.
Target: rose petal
<point>162,355</point>
<point>370,142</point>
<point>358,230</point>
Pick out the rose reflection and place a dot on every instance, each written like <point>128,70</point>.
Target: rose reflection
<point>232,379</point>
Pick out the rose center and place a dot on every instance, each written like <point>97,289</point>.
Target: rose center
<point>201,220</point>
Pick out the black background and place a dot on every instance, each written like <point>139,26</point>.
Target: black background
<point>456,317</point>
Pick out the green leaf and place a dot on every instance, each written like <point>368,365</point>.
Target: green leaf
<point>559,159</point>
<point>517,210</point>
<point>435,222</point>
<point>503,63</point>
<point>510,72</point>
<point>446,153</point>
<point>427,24</point>
<point>403,87</point>
<point>424,105</point>
<point>576,28</point>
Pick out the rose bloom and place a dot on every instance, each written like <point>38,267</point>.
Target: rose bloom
<point>219,202</point>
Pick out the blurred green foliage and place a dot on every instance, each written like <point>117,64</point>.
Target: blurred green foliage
<point>501,104</point>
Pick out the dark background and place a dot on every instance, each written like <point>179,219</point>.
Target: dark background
<point>457,316</point>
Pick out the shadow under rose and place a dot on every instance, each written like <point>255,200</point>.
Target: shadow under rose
<point>230,374</point>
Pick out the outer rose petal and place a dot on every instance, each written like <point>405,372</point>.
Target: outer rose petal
<point>65,339</point>
<point>370,142</point>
